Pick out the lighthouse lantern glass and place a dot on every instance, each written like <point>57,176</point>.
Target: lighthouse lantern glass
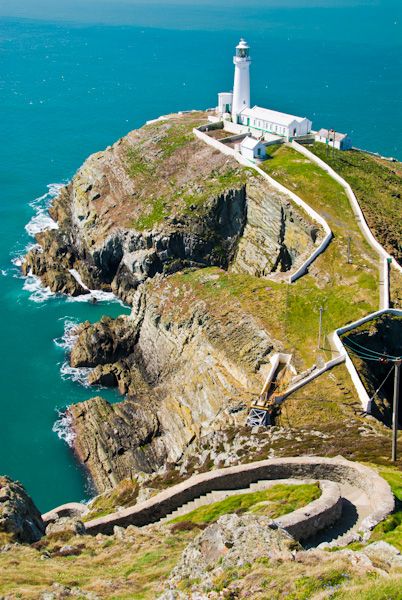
<point>242,52</point>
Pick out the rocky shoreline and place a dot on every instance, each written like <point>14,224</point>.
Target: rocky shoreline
<point>157,202</point>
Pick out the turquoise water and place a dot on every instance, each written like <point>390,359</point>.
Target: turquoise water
<point>70,88</point>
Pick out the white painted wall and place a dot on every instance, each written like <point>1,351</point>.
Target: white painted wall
<point>241,86</point>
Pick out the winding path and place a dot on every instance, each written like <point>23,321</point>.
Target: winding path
<point>354,498</point>
<point>339,352</point>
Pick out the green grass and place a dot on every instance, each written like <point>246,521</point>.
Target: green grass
<point>390,530</point>
<point>136,165</point>
<point>289,313</point>
<point>378,188</point>
<point>158,210</point>
<point>124,494</point>
<point>274,502</point>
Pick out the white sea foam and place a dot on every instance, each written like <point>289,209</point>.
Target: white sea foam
<point>41,219</point>
<point>62,427</point>
<point>78,278</point>
<point>97,295</point>
<point>39,293</point>
<point>78,375</point>
<point>67,340</point>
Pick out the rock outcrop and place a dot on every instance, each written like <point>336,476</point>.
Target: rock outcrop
<point>115,441</point>
<point>232,541</point>
<point>159,200</point>
<point>277,237</point>
<point>188,366</point>
<point>20,520</point>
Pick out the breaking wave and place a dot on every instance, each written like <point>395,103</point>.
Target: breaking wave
<point>41,219</point>
<point>66,342</point>
<point>39,293</point>
<point>78,375</point>
<point>62,427</point>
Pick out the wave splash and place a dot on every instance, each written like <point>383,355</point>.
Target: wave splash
<point>39,293</point>
<point>63,428</point>
<point>41,219</point>
<point>40,222</point>
<point>66,342</point>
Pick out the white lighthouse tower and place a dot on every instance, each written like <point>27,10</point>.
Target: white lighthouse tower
<point>241,87</point>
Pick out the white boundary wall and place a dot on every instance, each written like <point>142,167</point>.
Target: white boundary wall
<point>384,256</point>
<point>281,188</point>
<point>343,355</point>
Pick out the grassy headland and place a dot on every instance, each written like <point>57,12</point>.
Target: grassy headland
<point>173,172</point>
<point>378,188</point>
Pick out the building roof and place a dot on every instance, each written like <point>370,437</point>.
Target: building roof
<point>273,116</point>
<point>250,143</point>
<point>338,135</point>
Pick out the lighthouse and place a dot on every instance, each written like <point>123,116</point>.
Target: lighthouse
<point>241,87</point>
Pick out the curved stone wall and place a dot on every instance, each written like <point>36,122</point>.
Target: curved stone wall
<point>337,470</point>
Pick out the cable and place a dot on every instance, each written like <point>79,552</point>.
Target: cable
<point>372,352</point>
<point>386,377</point>
<point>368,356</point>
<point>364,356</point>
<point>368,350</point>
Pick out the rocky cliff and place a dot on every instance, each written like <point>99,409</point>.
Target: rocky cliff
<point>156,202</point>
<point>159,200</point>
<point>188,367</point>
<point>20,520</point>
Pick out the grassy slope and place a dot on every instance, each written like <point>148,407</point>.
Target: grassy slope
<point>273,502</point>
<point>159,161</point>
<point>378,188</point>
<point>290,313</point>
<point>136,567</point>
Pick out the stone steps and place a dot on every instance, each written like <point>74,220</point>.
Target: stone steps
<point>218,495</point>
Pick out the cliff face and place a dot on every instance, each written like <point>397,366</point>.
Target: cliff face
<point>136,214</point>
<point>20,520</point>
<point>277,237</point>
<point>187,369</point>
<point>159,200</point>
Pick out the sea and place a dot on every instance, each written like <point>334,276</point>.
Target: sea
<point>76,76</point>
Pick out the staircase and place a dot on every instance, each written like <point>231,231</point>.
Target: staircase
<point>218,495</point>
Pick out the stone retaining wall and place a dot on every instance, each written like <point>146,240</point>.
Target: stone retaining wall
<point>317,515</point>
<point>337,470</point>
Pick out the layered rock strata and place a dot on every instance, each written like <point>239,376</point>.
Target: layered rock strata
<point>159,200</point>
<point>185,370</point>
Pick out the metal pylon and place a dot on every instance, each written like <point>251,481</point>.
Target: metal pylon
<point>258,417</point>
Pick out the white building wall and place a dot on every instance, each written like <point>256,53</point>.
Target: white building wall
<point>225,102</point>
<point>241,87</point>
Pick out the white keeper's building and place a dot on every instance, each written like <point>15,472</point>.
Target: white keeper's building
<point>259,121</point>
